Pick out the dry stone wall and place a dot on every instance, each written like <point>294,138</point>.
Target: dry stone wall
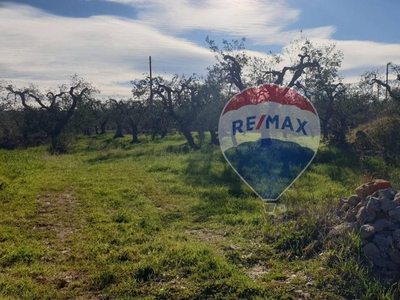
<point>374,213</point>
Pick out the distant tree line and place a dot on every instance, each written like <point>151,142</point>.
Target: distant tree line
<point>192,104</point>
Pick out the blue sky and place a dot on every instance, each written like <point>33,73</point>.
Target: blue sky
<point>108,42</point>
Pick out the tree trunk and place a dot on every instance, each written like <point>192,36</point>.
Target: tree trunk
<point>53,144</point>
<point>190,140</point>
<point>325,130</point>
<point>86,131</point>
<point>214,138</point>
<point>103,127</point>
<point>163,133</point>
<point>119,134</point>
<point>135,133</point>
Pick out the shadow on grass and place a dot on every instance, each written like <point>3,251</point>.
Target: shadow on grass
<point>178,149</point>
<point>327,154</point>
<point>115,154</point>
<point>221,190</point>
<point>336,164</point>
<point>208,169</point>
<point>107,141</point>
<point>231,210</point>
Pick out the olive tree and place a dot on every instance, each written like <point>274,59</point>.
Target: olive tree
<point>50,111</point>
<point>182,101</point>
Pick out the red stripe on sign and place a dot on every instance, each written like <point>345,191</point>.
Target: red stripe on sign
<point>269,93</point>
<point>260,122</point>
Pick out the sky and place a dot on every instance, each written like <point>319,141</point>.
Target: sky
<point>108,42</point>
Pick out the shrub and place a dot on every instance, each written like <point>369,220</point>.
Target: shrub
<point>381,136</point>
<point>62,144</point>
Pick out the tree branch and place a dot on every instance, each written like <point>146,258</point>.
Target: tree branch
<point>388,88</point>
<point>235,72</point>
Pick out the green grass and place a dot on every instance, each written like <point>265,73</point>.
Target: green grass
<point>155,220</point>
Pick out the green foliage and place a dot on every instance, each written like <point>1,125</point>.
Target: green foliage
<point>62,143</point>
<point>45,114</point>
<point>379,137</point>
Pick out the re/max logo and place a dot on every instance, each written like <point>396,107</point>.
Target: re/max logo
<point>270,122</point>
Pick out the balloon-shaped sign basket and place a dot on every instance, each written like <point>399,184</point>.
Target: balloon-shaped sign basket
<point>269,135</point>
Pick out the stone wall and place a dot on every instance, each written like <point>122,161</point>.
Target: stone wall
<point>374,213</point>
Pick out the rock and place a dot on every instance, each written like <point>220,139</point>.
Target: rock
<point>386,233</point>
<point>373,253</point>
<point>351,215</point>
<point>391,275</point>
<point>381,262</point>
<point>366,215</point>
<point>357,225</point>
<point>373,203</point>
<point>374,213</point>
<point>387,204</point>
<point>395,256</point>
<point>387,193</point>
<point>382,224</point>
<point>345,207</point>
<point>376,194</point>
<point>342,228</point>
<point>340,213</point>
<point>369,188</point>
<point>394,214</point>
<point>381,215</point>
<point>392,266</point>
<point>361,204</point>
<point>234,247</point>
<point>397,197</point>
<point>366,231</point>
<point>354,200</point>
<point>396,235</point>
<point>382,243</point>
<point>340,204</point>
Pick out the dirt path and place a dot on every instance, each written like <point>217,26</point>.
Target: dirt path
<point>57,216</point>
<point>59,223</point>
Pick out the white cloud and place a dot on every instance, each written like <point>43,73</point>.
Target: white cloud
<point>262,21</point>
<point>362,56</point>
<point>43,48</point>
<point>368,54</point>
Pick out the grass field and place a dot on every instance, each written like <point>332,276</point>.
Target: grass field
<point>156,220</point>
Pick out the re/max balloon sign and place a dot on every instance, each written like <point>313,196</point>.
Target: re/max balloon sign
<point>269,135</point>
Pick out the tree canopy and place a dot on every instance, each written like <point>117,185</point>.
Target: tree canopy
<point>191,104</point>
